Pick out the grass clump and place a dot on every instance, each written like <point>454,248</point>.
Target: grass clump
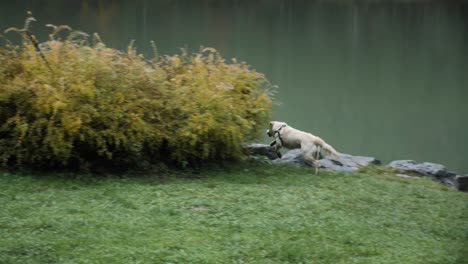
<point>76,103</point>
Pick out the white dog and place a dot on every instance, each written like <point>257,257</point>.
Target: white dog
<point>291,138</point>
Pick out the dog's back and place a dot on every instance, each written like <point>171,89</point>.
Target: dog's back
<point>293,138</point>
<point>300,139</point>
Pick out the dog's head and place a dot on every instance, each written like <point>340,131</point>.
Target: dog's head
<point>275,126</point>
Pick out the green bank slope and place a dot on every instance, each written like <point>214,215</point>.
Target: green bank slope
<point>241,214</point>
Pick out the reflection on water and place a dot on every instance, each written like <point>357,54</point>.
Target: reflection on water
<point>388,80</point>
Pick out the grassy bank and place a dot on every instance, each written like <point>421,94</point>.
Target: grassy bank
<point>244,214</point>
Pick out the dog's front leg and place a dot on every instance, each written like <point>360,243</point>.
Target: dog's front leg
<point>277,144</point>
<point>279,154</point>
<point>276,148</point>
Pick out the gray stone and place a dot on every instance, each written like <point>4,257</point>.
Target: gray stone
<point>345,162</point>
<point>436,171</point>
<point>261,150</point>
<point>425,168</point>
<point>336,165</point>
<point>292,157</point>
<point>462,183</point>
<point>357,161</point>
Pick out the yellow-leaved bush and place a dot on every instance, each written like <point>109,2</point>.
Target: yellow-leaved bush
<point>78,105</point>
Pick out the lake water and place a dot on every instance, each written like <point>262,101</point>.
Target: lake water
<point>388,80</point>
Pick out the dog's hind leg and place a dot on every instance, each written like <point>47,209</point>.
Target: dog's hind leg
<point>309,152</point>
<point>317,160</point>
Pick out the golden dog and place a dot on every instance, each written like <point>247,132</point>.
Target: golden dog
<point>291,138</point>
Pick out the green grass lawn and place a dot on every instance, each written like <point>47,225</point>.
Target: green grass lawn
<point>240,214</point>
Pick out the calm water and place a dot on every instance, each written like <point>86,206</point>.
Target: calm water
<point>388,80</point>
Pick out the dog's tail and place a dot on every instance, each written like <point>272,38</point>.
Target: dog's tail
<point>327,147</point>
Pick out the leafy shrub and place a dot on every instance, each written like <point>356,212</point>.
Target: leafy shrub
<point>69,103</point>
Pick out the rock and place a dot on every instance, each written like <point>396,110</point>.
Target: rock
<point>346,162</point>
<point>436,171</point>
<point>292,157</point>
<point>425,168</point>
<point>336,165</point>
<point>262,150</point>
<point>462,183</point>
<point>357,161</point>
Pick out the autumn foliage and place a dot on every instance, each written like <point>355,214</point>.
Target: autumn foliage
<point>76,103</point>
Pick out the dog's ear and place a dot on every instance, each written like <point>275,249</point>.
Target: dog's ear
<point>273,125</point>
